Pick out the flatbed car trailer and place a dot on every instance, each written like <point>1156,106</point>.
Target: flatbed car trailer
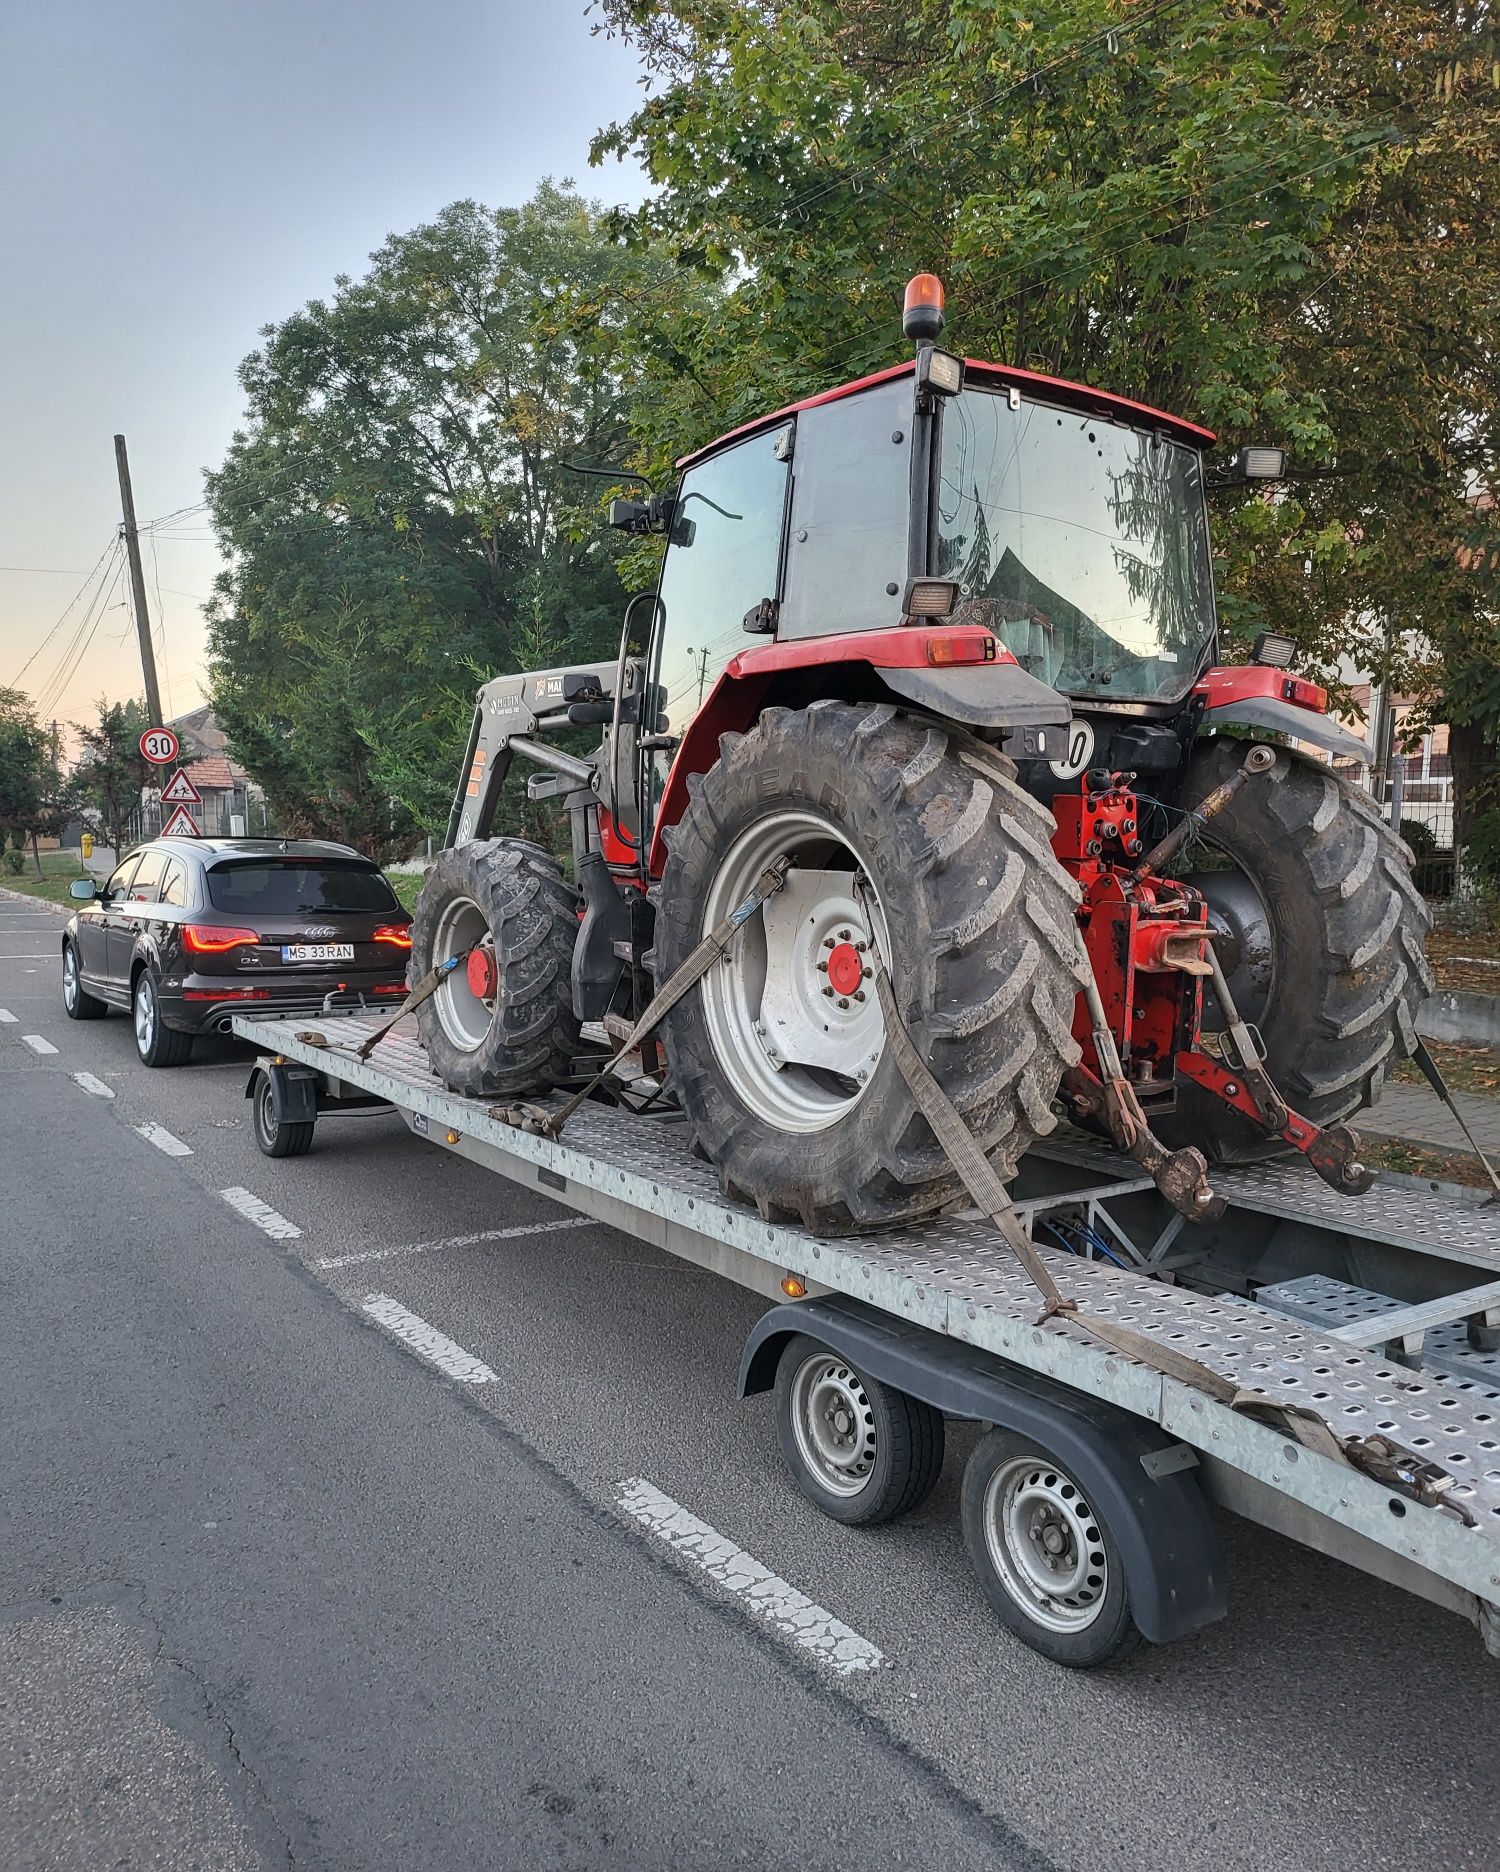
<point>1377,1317</point>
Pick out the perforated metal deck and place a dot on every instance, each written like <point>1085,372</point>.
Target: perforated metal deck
<point>956,1277</point>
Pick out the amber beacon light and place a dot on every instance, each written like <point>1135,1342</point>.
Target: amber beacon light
<point>922,309</point>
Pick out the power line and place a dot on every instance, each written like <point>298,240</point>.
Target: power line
<point>113,546</point>
<point>45,571</point>
<point>72,659</point>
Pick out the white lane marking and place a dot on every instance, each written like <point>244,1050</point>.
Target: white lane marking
<point>96,1086</point>
<point>427,1340</point>
<point>163,1139</point>
<point>261,1214</point>
<point>37,1043</point>
<point>808,1626</point>
<point>454,1241</point>
<point>6,1015</point>
<point>29,955</point>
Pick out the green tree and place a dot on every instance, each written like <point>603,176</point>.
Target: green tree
<point>111,770</point>
<point>31,783</point>
<point>397,512</point>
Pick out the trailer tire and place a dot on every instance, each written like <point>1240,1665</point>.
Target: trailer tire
<point>522,1035</point>
<point>861,1451</point>
<point>273,1138</point>
<point>914,842</point>
<point>1327,956</point>
<point>1046,1561</point>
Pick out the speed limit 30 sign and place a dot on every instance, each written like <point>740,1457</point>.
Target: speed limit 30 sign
<point>159,745</point>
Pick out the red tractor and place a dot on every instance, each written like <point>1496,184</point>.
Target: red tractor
<point>938,650</point>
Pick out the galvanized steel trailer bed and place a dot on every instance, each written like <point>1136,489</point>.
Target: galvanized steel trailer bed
<point>960,1311</point>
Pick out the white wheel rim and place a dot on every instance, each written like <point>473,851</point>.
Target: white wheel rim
<point>833,1424</point>
<point>463,1017</point>
<point>1046,1544</point>
<point>70,979</point>
<point>797,1055</point>
<point>145,1013</point>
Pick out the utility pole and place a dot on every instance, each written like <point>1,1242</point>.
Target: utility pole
<point>138,587</point>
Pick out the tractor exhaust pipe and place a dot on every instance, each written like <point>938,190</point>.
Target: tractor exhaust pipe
<point>1259,760</point>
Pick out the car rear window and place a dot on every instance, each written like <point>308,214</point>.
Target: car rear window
<point>287,887</point>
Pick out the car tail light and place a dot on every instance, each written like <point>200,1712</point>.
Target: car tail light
<point>214,938</point>
<point>398,935</point>
<point>226,994</point>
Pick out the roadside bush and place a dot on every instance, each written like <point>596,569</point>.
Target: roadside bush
<point>15,862</point>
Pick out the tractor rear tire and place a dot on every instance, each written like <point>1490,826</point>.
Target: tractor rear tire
<point>1329,963</point>
<point>523,1037</point>
<point>972,914</point>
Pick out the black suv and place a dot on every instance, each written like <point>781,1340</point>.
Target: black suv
<point>187,930</point>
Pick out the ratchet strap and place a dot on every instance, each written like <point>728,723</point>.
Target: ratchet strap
<point>1431,1073</point>
<point>979,1178</point>
<point>428,985</point>
<point>713,946</point>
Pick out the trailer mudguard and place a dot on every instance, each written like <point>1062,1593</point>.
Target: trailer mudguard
<point>1289,719</point>
<point>1161,1524</point>
<point>294,1091</point>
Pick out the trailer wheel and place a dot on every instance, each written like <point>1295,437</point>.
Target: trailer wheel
<point>861,1451</point>
<point>1045,1559</point>
<point>502,1024</point>
<point>273,1138</point>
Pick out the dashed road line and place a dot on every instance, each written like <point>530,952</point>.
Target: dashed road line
<point>37,1043</point>
<point>6,1015</point>
<point>163,1139</point>
<point>29,955</point>
<point>809,1626</point>
<point>265,1218</point>
<point>454,1241</point>
<point>428,1341</point>
<point>96,1086</point>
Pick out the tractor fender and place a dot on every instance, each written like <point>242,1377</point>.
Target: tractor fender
<point>986,695</point>
<point>1289,719</point>
<point>1137,1476</point>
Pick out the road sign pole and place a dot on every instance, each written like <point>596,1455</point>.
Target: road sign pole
<point>138,585</point>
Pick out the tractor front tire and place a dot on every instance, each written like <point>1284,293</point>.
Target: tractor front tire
<point>515,1033</point>
<point>915,850</point>
<point>1326,950</point>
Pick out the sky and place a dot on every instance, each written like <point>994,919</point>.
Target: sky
<point>176,174</point>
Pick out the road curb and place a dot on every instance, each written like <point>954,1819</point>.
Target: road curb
<point>44,903</point>
<point>1460,1018</point>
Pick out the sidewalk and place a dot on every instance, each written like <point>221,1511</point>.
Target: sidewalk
<point>1416,1113</point>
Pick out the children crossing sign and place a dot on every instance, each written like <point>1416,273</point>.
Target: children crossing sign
<point>180,791</point>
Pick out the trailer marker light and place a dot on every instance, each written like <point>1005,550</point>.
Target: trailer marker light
<point>452,1137</point>
<point>964,648</point>
<point>214,938</point>
<point>793,1288</point>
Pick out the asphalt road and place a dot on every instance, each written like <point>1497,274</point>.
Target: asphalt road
<point>278,1588</point>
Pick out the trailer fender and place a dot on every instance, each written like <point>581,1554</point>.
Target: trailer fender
<point>294,1091</point>
<point>1138,1477</point>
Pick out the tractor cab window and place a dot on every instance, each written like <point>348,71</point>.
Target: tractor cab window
<point>1083,544</point>
<point>723,559</point>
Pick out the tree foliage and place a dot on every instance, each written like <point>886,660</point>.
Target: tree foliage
<point>33,794</point>
<point>1275,216</point>
<point>106,782</point>
<point>400,519</point>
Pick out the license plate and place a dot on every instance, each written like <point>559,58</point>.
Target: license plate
<point>317,952</point>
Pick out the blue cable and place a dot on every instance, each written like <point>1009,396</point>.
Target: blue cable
<point>1095,1241</point>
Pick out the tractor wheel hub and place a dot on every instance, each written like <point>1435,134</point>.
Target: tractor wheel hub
<point>845,969</point>
<point>482,974</point>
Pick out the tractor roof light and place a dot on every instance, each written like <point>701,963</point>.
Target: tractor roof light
<point>930,598</point>
<point>1255,463</point>
<point>922,309</point>
<point>1273,650</point>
